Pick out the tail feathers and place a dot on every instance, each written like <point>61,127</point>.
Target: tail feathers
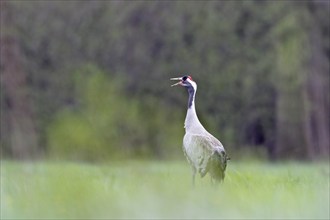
<point>217,165</point>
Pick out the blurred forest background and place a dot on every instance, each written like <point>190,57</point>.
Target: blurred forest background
<point>89,80</point>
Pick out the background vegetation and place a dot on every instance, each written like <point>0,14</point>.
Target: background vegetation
<point>90,127</point>
<point>88,80</point>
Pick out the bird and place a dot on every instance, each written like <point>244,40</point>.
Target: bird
<point>204,152</point>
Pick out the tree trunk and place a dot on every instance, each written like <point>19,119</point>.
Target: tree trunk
<point>291,75</point>
<point>21,132</point>
<point>317,120</point>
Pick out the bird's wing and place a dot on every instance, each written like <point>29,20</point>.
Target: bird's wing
<point>214,156</point>
<point>208,141</point>
<point>199,149</point>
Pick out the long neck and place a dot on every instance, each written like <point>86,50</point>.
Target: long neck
<point>191,99</point>
<point>192,123</point>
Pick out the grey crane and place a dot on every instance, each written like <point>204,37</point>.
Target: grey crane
<point>203,151</point>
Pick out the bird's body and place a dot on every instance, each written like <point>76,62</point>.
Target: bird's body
<point>203,151</point>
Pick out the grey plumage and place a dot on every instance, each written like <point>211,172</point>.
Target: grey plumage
<point>203,151</point>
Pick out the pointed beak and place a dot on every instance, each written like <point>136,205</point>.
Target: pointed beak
<point>178,83</point>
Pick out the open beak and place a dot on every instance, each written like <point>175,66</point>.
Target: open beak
<point>178,83</point>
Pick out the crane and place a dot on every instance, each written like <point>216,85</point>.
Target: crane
<point>203,151</point>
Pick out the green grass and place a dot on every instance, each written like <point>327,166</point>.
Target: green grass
<point>135,189</point>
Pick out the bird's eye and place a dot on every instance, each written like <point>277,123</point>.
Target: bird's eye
<point>184,78</point>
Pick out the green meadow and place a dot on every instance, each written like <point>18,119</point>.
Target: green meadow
<point>151,190</point>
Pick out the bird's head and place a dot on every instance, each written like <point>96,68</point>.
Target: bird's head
<point>185,81</point>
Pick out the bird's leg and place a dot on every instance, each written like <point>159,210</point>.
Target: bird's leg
<point>193,176</point>
<point>193,179</point>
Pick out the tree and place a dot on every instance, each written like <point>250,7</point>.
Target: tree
<point>18,130</point>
